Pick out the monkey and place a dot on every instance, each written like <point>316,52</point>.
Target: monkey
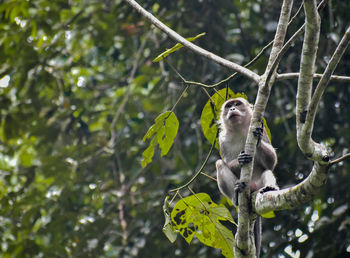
<point>234,125</point>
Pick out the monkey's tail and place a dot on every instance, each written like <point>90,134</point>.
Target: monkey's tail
<point>257,235</point>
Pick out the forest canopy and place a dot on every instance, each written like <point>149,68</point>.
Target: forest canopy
<point>79,91</point>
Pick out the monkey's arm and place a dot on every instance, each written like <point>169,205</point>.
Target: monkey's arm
<point>266,156</point>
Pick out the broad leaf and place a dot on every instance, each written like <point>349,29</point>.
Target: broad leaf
<point>163,132</point>
<point>199,215</point>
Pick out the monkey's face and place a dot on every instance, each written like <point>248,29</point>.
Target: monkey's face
<point>236,112</point>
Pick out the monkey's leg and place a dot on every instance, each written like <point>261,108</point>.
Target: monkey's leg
<point>226,180</point>
<point>239,186</point>
<point>243,158</point>
<point>268,181</point>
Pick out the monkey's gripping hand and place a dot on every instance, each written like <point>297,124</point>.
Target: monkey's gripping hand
<point>258,132</point>
<point>244,158</point>
<point>239,186</point>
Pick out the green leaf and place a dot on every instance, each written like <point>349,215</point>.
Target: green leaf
<point>149,153</point>
<point>199,215</point>
<point>211,112</point>
<point>268,215</point>
<point>163,132</point>
<point>175,48</point>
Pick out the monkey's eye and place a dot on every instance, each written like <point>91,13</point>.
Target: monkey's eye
<point>228,105</point>
<point>238,103</point>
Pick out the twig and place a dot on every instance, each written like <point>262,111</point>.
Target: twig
<point>287,76</point>
<point>251,62</point>
<point>335,161</point>
<point>198,172</point>
<point>289,43</point>
<point>171,33</point>
<point>212,178</point>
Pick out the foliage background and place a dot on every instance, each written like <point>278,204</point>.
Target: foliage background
<point>83,91</point>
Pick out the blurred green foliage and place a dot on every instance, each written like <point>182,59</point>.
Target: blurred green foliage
<point>78,91</point>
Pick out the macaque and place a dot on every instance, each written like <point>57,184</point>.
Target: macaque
<point>234,122</point>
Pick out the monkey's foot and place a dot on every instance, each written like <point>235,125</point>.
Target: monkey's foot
<point>238,188</point>
<point>268,188</point>
<point>244,158</point>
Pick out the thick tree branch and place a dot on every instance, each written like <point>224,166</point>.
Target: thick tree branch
<point>288,76</point>
<point>307,67</point>
<point>175,36</point>
<point>303,192</point>
<point>321,86</point>
<point>294,196</point>
<point>297,195</point>
<point>244,246</point>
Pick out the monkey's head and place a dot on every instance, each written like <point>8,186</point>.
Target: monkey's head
<point>235,113</point>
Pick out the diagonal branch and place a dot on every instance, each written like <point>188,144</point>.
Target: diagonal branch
<point>175,36</point>
<point>243,242</point>
<point>344,157</point>
<point>321,86</point>
<point>289,43</point>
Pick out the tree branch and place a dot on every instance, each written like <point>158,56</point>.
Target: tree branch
<point>244,243</point>
<point>346,156</point>
<point>294,196</point>
<point>297,195</point>
<point>321,86</point>
<point>307,67</point>
<point>288,76</point>
<point>175,36</point>
<point>289,44</point>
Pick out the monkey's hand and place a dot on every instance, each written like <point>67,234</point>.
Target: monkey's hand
<point>258,132</point>
<point>239,186</point>
<point>244,158</point>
